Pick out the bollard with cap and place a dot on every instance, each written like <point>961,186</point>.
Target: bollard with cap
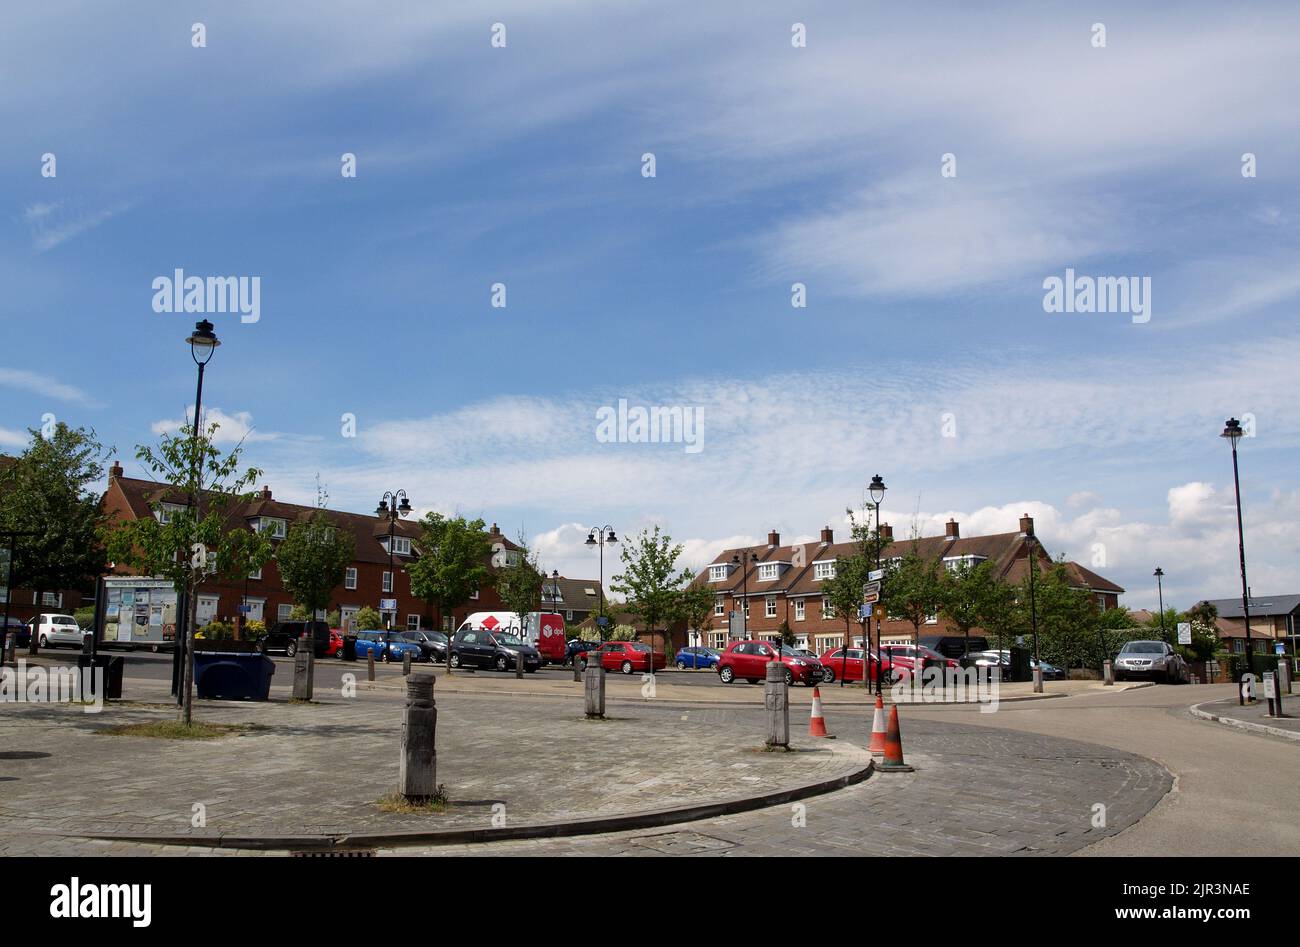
<point>304,669</point>
<point>370,665</point>
<point>776,701</point>
<point>1107,673</point>
<point>418,770</point>
<point>593,690</point>
<point>406,664</point>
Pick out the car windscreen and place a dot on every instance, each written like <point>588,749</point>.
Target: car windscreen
<point>1144,647</point>
<point>62,620</point>
<point>508,641</point>
<point>637,646</point>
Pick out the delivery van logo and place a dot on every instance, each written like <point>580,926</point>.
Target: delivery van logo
<point>491,623</point>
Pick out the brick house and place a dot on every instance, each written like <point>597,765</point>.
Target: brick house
<point>22,602</point>
<point>1274,620</point>
<point>783,583</point>
<point>577,599</point>
<point>368,579</point>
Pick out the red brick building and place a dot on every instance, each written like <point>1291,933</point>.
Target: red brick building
<point>784,583</point>
<point>368,579</point>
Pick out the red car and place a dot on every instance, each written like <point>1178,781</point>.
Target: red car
<point>336,643</point>
<point>838,666</point>
<point>626,656</point>
<point>903,657</point>
<point>749,660</point>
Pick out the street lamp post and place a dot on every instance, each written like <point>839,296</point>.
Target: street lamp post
<point>598,537</point>
<point>393,512</point>
<point>1031,542</point>
<point>203,343</point>
<point>1160,592</point>
<point>555,590</point>
<point>877,493</point>
<point>744,584</point>
<point>1233,432</point>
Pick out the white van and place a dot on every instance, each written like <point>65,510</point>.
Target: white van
<point>543,630</point>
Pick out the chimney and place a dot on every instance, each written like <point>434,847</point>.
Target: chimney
<point>495,531</point>
<point>774,538</point>
<point>1026,525</point>
<point>828,536</point>
<point>951,531</point>
<point>266,493</point>
<point>115,472</point>
<point>886,533</point>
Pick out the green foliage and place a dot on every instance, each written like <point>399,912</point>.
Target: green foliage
<point>368,619</point>
<point>911,588</point>
<point>255,630</point>
<point>787,636</point>
<point>971,595</point>
<point>216,631</point>
<point>1067,619</point>
<point>651,581</point>
<point>453,562</point>
<point>520,585</point>
<point>313,559</point>
<point>335,618</point>
<point>85,616</point>
<point>844,590</point>
<point>299,613</point>
<point>49,491</point>
<point>695,607</point>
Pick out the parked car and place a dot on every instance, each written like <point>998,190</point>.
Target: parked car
<point>1154,660</point>
<point>1050,671</point>
<point>576,646</point>
<point>17,628</point>
<point>625,656</point>
<point>749,660</point>
<point>954,646</point>
<point>903,657</point>
<point>371,640</point>
<point>1003,659</point>
<point>386,645</point>
<point>492,649</point>
<point>432,644</point>
<point>336,643</point>
<point>284,637</point>
<point>542,631</point>
<point>53,630</point>
<point>694,658</point>
<point>836,665</point>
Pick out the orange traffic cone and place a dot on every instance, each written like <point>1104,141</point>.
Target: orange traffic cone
<point>894,747</point>
<point>817,725</point>
<point>877,745</point>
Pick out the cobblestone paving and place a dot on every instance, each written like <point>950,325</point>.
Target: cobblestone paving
<point>320,769</point>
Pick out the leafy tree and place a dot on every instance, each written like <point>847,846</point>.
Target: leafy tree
<point>651,580</point>
<point>452,565</point>
<point>1067,617</point>
<point>519,584</point>
<point>313,559</point>
<point>368,619</point>
<point>1006,614</point>
<point>47,491</point>
<point>844,590</point>
<point>191,541</point>
<point>695,608</point>
<point>969,595</point>
<point>911,589</point>
<point>1204,618</point>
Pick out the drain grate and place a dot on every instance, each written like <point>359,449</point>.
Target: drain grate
<point>336,853</point>
<point>683,843</point>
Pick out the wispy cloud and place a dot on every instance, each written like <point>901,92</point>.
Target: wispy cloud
<point>53,224</point>
<point>43,384</point>
<point>232,427</point>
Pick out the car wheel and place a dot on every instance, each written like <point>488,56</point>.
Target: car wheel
<point>789,678</point>
<point>501,662</point>
<point>681,665</point>
<point>455,660</point>
<point>828,676</point>
<point>44,642</point>
<point>291,649</point>
<point>626,667</point>
<point>726,675</point>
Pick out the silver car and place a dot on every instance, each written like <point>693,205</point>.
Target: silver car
<point>1151,660</point>
<point>51,629</point>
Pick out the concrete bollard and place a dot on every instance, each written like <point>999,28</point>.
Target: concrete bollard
<point>776,700</point>
<point>418,773</point>
<point>304,670</point>
<point>577,670</point>
<point>1038,680</point>
<point>1107,673</point>
<point>593,690</point>
<point>519,664</point>
<point>370,665</point>
<point>406,664</point>
<point>1284,676</point>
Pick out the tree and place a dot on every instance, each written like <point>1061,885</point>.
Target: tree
<point>1067,617</point>
<point>368,619</point>
<point>844,590</point>
<point>452,565</point>
<point>195,533</point>
<point>47,491</point>
<point>911,589</point>
<point>695,607</point>
<point>313,560</point>
<point>519,584</point>
<point>968,595</point>
<point>651,581</point>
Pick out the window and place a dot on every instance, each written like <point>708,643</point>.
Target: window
<point>412,622</point>
<point>718,606</point>
<point>401,546</point>
<point>932,618</point>
<point>1101,603</point>
<point>473,596</point>
<point>768,571</point>
<point>956,563</point>
<point>718,572</point>
<point>256,575</point>
<point>282,612</point>
<point>388,582</point>
<point>770,607</point>
<point>350,578</point>
<point>738,603</point>
<point>828,610</point>
<point>166,510</point>
<point>799,606</point>
<point>824,570</point>
<point>568,614</point>
<point>275,528</point>
<point>52,598</point>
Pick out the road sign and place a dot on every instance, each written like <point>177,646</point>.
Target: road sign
<point>388,604</point>
<point>736,625</point>
<point>875,575</point>
<point>1279,648</point>
<point>245,609</point>
<point>1184,632</point>
<point>864,612</point>
<point>871,593</point>
<point>602,621</point>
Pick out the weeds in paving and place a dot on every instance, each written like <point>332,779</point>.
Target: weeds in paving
<point>175,730</point>
<point>398,804</point>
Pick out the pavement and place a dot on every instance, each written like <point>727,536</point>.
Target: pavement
<point>1254,717</point>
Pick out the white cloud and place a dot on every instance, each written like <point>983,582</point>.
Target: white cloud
<point>42,384</point>
<point>233,428</point>
<point>17,439</point>
<point>51,225</point>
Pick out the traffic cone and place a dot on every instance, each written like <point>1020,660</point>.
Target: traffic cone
<point>817,725</point>
<point>894,747</point>
<point>877,745</point>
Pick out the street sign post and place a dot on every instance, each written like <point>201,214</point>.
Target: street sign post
<point>875,575</point>
<point>388,604</point>
<point>871,593</point>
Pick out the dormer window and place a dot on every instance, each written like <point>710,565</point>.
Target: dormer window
<point>769,571</point>
<point>719,572</point>
<point>401,545</point>
<point>955,563</point>
<point>824,570</point>
<point>275,528</point>
<point>166,510</point>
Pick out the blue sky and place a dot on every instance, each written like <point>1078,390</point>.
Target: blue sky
<point>774,165</point>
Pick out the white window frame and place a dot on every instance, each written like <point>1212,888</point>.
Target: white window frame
<point>283,611</point>
<point>409,626</point>
<point>52,599</point>
<point>828,610</point>
<point>350,578</point>
<point>800,607</point>
<point>165,511</point>
<point>718,572</point>
<point>824,570</point>
<point>277,528</point>
<point>768,571</point>
<point>256,575</point>
<point>388,582</point>
<point>719,606</point>
<point>769,607</point>
<point>401,545</point>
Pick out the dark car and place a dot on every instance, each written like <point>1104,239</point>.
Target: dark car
<point>954,646</point>
<point>575,647</point>
<point>432,644</point>
<point>476,647</point>
<point>18,629</point>
<point>284,637</point>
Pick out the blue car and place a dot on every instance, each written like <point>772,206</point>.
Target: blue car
<point>696,658</point>
<point>386,646</point>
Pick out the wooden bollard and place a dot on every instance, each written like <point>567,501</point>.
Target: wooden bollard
<point>593,690</point>
<point>406,664</point>
<point>1107,673</point>
<point>370,665</point>
<point>577,670</point>
<point>418,773</point>
<point>304,670</point>
<point>776,700</point>
<point>519,664</point>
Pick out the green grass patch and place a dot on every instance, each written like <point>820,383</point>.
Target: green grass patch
<point>398,804</point>
<point>175,730</point>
